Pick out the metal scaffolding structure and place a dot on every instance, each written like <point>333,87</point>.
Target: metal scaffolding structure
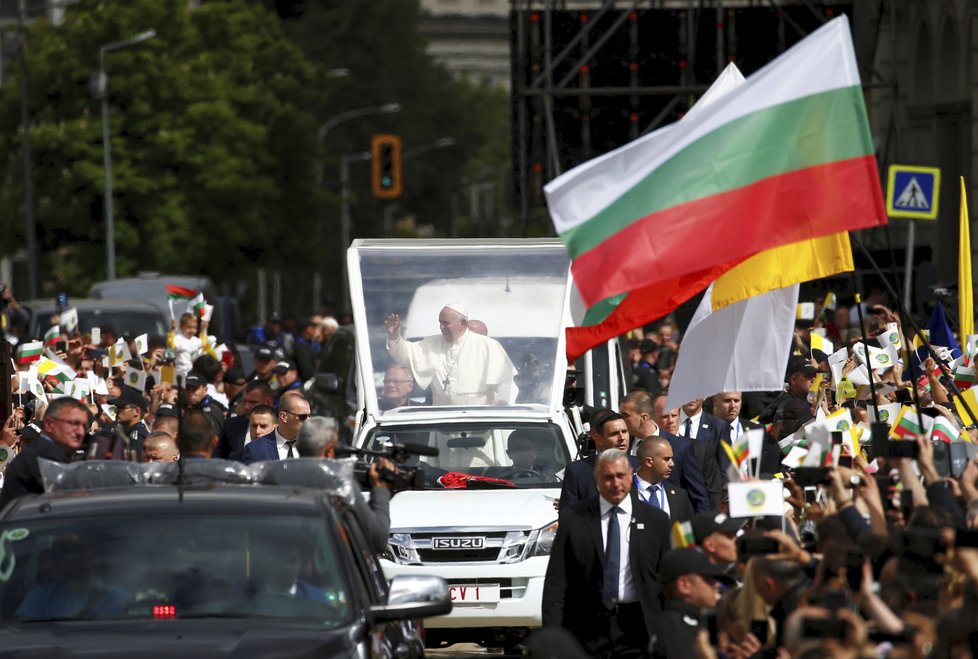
<point>591,75</point>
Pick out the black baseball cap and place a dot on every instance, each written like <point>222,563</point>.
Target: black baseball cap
<point>647,346</point>
<point>30,431</point>
<point>168,409</point>
<point>284,365</point>
<point>130,396</point>
<point>194,380</point>
<point>801,365</point>
<point>707,523</point>
<point>235,375</point>
<point>680,562</point>
<point>269,351</point>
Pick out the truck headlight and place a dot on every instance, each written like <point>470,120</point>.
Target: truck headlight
<point>401,550</point>
<point>544,540</point>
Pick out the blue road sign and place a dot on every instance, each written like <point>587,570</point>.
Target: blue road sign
<point>913,192</point>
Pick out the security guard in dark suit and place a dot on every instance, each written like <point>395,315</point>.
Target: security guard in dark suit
<point>690,583</point>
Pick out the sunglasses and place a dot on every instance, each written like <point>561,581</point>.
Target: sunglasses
<point>300,417</point>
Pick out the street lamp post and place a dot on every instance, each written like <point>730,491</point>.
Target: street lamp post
<point>387,108</point>
<point>345,222</point>
<point>103,84</point>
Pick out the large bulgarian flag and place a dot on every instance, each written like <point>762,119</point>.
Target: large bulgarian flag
<point>783,158</point>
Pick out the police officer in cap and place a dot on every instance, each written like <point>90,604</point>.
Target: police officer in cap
<point>130,413</point>
<point>287,377</point>
<point>196,398</point>
<point>690,583</point>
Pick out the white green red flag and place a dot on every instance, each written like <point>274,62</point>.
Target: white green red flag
<point>52,335</point>
<point>944,430</point>
<point>30,352</point>
<point>908,425</point>
<point>785,157</point>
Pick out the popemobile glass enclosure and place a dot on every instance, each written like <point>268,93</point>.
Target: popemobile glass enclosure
<point>518,289</point>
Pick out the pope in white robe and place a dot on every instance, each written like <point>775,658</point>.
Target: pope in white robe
<point>460,366</point>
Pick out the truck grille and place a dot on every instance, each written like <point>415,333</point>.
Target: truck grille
<point>461,546</point>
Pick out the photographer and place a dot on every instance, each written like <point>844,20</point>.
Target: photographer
<point>317,439</point>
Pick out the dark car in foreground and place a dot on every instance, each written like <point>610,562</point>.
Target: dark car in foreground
<point>215,570</point>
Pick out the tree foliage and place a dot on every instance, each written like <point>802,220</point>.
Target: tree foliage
<point>211,157</point>
<point>213,136</point>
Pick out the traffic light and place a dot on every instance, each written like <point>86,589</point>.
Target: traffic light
<point>385,165</point>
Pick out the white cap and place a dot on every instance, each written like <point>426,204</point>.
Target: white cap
<point>458,308</point>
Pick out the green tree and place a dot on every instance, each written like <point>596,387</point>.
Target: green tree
<point>210,135</point>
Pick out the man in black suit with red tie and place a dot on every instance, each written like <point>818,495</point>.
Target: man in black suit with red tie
<point>601,582</point>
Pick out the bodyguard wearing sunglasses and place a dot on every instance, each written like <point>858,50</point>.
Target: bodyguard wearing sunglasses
<point>65,425</point>
<point>280,445</point>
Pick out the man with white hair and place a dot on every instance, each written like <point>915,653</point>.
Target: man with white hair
<point>460,366</point>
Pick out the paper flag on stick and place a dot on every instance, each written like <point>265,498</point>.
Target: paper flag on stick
<point>136,379</point>
<point>142,344</point>
<point>69,320</point>
<point>756,498</point>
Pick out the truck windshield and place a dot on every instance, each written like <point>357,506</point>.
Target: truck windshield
<point>191,566</point>
<point>475,326</point>
<point>482,455</point>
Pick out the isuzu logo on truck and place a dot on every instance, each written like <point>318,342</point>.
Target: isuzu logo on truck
<point>458,543</point>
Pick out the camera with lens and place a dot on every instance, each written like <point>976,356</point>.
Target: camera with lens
<point>403,477</point>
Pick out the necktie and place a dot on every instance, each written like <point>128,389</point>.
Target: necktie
<point>689,428</point>
<point>612,561</point>
<point>654,496</point>
<point>290,443</point>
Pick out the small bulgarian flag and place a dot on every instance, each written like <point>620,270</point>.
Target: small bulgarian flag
<point>28,353</point>
<point>178,293</point>
<point>907,425</point>
<point>945,430</point>
<point>682,535</point>
<point>51,336</point>
<point>964,376</point>
<point>197,304</point>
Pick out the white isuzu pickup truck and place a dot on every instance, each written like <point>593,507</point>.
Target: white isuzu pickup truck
<point>485,519</point>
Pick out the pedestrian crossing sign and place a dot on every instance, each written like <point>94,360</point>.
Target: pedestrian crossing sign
<point>912,192</point>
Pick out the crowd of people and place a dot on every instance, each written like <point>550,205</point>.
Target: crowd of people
<point>872,553</point>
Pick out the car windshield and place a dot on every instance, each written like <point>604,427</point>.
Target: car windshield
<point>496,344</point>
<point>485,455</point>
<point>191,566</point>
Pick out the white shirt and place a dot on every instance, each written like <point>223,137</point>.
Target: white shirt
<point>638,441</point>
<point>627,592</point>
<point>694,423</point>
<point>283,448</point>
<point>735,429</point>
<point>659,494</point>
<point>475,370</point>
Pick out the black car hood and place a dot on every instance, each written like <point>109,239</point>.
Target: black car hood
<point>184,639</point>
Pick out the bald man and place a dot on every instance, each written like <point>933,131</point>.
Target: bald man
<point>460,366</point>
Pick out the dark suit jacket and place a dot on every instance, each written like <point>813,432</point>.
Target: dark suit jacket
<point>686,472</point>
<point>578,483</point>
<point>680,509</point>
<point>575,573</point>
<point>263,448</point>
<point>231,439</point>
<point>711,456</point>
<point>24,473</point>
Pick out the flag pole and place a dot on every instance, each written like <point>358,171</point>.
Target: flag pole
<point>904,313</point>
<point>862,331</point>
